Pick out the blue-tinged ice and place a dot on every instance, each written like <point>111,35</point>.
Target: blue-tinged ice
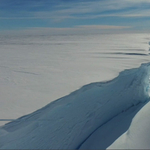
<point>67,122</point>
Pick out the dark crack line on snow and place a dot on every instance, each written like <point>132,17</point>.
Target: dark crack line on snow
<point>78,147</point>
<point>25,72</point>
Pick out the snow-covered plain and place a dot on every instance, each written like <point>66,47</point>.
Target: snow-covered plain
<point>38,69</point>
<point>94,115</point>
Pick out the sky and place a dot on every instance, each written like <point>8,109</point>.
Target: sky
<point>91,15</point>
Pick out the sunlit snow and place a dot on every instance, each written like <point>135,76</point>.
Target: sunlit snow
<point>39,70</point>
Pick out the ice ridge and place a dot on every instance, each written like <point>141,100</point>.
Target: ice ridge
<point>67,122</point>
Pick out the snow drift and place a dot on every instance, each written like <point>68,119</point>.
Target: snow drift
<point>138,134</point>
<point>70,121</point>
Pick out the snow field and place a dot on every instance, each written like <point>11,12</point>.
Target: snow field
<point>38,69</point>
<point>69,122</point>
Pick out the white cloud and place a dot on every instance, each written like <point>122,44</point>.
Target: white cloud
<point>90,10</point>
<point>95,9</point>
<point>102,27</point>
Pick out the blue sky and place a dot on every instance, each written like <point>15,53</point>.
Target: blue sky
<point>75,14</point>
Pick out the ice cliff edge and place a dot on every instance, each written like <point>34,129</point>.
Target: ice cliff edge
<point>67,122</point>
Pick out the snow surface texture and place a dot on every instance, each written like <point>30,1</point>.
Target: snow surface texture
<point>38,69</point>
<point>69,122</point>
<point>138,134</point>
